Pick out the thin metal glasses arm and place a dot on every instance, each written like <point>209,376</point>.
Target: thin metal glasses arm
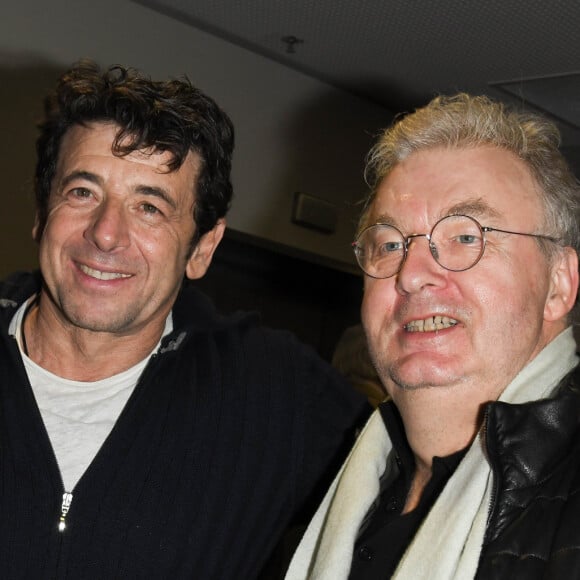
<point>541,236</point>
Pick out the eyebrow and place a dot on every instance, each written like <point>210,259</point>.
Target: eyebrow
<point>148,190</point>
<point>158,192</point>
<point>80,174</point>
<point>475,207</point>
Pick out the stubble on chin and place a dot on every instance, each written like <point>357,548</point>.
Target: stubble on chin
<point>79,315</point>
<point>393,380</point>
<point>394,377</point>
<point>389,374</point>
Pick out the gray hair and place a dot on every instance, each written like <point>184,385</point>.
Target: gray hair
<point>464,121</point>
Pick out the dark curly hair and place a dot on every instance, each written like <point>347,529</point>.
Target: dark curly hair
<point>169,116</point>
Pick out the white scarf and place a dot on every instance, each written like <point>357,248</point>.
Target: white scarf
<point>448,543</point>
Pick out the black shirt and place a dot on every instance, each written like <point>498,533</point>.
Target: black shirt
<point>385,533</point>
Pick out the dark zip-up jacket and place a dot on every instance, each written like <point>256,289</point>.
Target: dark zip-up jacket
<point>534,524</point>
<point>223,439</point>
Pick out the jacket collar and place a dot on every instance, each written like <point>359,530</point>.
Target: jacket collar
<point>525,441</point>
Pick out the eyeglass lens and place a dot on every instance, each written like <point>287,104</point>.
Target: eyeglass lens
<point>455,242</point>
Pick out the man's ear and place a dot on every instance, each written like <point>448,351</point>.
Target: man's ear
<point>563,285</point>
<point>202,254</point>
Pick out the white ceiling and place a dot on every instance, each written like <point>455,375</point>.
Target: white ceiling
<point>399,53</point>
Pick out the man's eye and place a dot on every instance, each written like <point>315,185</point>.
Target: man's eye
<point>81,192</point>
<point>390,247</point>
<point>467,239</point>
<point>150,209</point>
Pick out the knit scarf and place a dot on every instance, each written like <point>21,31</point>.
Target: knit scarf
<point>448,543</point>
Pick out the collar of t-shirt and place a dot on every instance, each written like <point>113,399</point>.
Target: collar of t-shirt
<point>78,415</point>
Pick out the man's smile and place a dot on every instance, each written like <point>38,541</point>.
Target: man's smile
<point>99,275</point>
<point>433,323</point>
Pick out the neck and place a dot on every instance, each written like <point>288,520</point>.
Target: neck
<point>80,354</point>
<point>437,424</point>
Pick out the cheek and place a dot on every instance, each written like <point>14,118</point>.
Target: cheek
<point>520,287</point>
<point>151,248</point>
<point>56,235</point>
<point>163,247</point>
<point>377,305</point>
<point>507,308</point>
<point>62,224</point>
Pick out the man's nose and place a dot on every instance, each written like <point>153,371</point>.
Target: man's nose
<point>109,228</point>
<point>419,268</point>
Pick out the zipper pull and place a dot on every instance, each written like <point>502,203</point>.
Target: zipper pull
<point>66,501</point>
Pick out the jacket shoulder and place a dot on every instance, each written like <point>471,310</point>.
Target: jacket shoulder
<point>17,288</point>
<point>533,531</point>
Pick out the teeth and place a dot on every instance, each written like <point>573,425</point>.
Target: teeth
<point>102,275</point>
<point>431,324</point>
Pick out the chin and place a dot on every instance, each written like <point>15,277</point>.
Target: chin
<point>413,376</point>
<point>100,323</point>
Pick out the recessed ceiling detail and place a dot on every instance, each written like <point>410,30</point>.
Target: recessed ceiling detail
<point>558,96</point>
<point>399,53</point>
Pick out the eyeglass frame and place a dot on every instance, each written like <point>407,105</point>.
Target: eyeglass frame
<point>432,247</point>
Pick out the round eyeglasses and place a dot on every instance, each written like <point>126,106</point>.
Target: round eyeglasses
<point>456,242</point>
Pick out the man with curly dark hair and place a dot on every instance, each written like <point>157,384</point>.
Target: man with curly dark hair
<point>143,435</point>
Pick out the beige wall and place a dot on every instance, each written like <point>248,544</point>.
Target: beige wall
<point>20,108</point>
<point>294,133</point>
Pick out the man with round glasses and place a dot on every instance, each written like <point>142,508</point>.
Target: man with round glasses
<point>469,243</point>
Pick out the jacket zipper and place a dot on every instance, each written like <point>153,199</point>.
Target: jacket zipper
<point>67,497</point>
<point>494,483</point>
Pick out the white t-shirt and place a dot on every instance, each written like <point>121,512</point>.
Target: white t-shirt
<point>78,415</point>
